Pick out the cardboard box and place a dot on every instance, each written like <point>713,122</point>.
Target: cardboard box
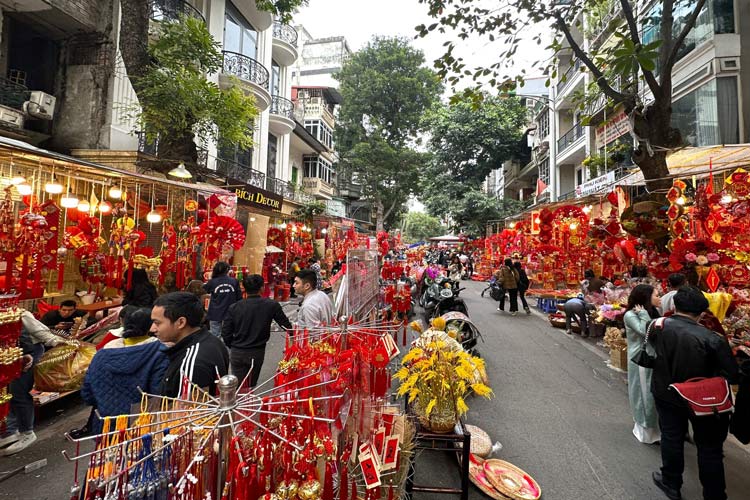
<point>619,359</point>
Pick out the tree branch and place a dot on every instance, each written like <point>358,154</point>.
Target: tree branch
<point>689,25</point>
<point>599,77</point>
<point>665,35</point>
<point>627,10</point>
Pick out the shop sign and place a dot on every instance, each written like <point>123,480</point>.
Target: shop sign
<point>336,208</point>
<point>595,185</point>
<point>248,195</point>
<point>613,128</point>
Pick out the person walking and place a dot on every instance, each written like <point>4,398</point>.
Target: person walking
<point>194,353</point>
<point>577,309</point>
<point>314,265</point>
<point>19,428</point>
<point>123,367</point>
<point>641,310</point>
<point>685,350</point>
<point>675,282</point>
<point>523,285</point>
<point>247,328</point>
<point>224,291</point>
<point>316,307</point>
<point>508,277</point>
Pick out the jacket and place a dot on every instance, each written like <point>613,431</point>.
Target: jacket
<point>507,277</point>
<point>198,357</point>
<point>523,278</point>
<point>38,332</point>
<point>114,376</point>
<point>316,309</point>
<point>224,291</point>
<point>247,324</point>
<point>684,350</point>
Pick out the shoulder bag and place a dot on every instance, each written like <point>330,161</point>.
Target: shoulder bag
<point>645,356</point>
<point>706,396</point>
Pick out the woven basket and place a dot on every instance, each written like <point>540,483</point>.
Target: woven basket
<point>442,419</point>
<point>481,444</point>
<point>511,481</point>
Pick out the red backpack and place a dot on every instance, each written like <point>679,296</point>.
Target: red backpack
<point>706,396</point>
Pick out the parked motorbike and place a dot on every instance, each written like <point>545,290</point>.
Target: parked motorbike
<point>466,332</point>
<point>442,297</point>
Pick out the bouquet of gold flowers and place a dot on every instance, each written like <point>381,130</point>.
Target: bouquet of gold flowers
<point>437,378</point>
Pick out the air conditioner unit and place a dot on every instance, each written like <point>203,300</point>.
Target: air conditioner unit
<point>40,105</point>
<point>11,118</point>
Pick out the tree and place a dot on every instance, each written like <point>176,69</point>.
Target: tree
<point>385,90</point>
<point>419,226</point>
<point>472,212</point>
<point>168,75</point>
<point>630,56</point>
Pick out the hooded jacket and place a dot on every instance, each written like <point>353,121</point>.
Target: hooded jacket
<point>114,376</point>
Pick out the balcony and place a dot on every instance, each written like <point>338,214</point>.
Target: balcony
<point>349,189</point>
<point>280,187</point>
<point>240,172</point>
<point>569,138</point>
<point>314,108</point>
<point>173,10</point>
<point>318,188</point>
<point>281,119</point>
<point>253,77</point>
<point>284,44</point>
<point>151,147</point>
<point>569,76</point>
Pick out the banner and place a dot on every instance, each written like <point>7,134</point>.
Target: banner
<point>615,127</point>
<point>595,185</point>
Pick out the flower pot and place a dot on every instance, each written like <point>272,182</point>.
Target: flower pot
<point>442,419</point>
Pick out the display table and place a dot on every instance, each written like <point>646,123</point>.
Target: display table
<point>426,440</point>
<point>99,306</point>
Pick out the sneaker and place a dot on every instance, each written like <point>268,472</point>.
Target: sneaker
<point>25,440</point>
<point>10,439</point>
<point>569,332</point>
<point>80,433</point>
<point>528,311</point>
<point>514,313</point>
<point>672,493</point>
<point>500,310</point>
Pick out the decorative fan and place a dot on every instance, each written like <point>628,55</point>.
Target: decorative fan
<point>223,229</point>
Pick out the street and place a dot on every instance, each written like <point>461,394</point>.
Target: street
<point>559,412</point>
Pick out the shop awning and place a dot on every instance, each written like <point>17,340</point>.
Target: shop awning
<point>448,238</point>
<point>699,162</point>
<point>20,150</point>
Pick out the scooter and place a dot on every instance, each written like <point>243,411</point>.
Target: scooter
<point>450,302</point>
<point>467,334</point>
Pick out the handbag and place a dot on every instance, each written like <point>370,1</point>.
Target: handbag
<point>645,356</point>
<point>706,396</point>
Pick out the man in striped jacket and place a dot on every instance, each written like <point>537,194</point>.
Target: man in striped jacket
<point>195,356</point>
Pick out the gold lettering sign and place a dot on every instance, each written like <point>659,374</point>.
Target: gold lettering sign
<point>250,195</point>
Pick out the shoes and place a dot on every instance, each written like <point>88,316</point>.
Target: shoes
<point>671,493</point>
<point>514,313</point>
<point>10,439</point>
<point>569,332</point>
<point>83,432</point>
<point>26,439</point>
<point>528,311</point>
<point>500,310</point>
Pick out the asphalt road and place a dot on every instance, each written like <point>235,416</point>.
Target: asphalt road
<point>559,412</point>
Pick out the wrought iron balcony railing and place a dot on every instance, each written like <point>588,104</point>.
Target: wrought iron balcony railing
<point>173,10</point>
<point>245,68</point>
<point>229,168</point>
<point>13,94</point>
<point>570,74</point>
<point>282,106</point>
<point>149,147</point>
<point>280,187</point>
<point>571,136</point>
<point>285,32</point>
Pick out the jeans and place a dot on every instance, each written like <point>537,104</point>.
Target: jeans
<point>709,434</point>
<point>21,416</point>
<point>215,328</point>
<point>522,296</point>
<point>241,360</point>
<point>575,309</point>
<point>513,297</point>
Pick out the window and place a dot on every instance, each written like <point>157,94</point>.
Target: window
<point>235,154</point>
<point>321,131</point>
<point>275,77</point>
<point>272,148</point>
<point>579,176</point>
<point>239,34</point>
<point>710,114</point>
<point>295,174</point>
<point>543,125</point>
<point>544,170</point>
<point>316,166</point>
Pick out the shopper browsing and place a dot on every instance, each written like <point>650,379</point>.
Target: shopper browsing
<point>316,308</point>
<point>247,328</point>
<point>675,281</point>
<point>224,291</point>
<point>194,353</point>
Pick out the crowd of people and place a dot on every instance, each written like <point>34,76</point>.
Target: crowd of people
<point>164,343</point>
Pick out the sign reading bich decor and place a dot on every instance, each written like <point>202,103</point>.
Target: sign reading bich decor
<point>249,195</point>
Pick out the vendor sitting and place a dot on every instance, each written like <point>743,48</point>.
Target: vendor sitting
<point>64,319</point>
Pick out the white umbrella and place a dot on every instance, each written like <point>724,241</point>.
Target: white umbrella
<point>273,249</point>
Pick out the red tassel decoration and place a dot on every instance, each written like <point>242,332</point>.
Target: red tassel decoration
<point>24,273</point>
<point>118,279</point>
<point>10,263</point>
<point>404,338</point>
<point>344,483</point>
<point>328,486</point>
<point>60,275</point>
<point>390,493</point>
<point>354,490</point>
<point>37,287</point>
<point>131,266</point>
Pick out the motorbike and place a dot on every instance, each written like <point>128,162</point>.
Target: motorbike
<point>466,332</point>
<point>442,297</point>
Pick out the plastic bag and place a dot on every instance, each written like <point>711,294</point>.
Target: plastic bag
<point>63,367</point>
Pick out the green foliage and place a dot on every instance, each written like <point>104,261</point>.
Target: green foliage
<point>420,226</point>
<point>468,142</point>
<point>176,98</point>
<point>281,8</point>
<point>385,91</point>
<point>309,210</point>
<point>475,208</point>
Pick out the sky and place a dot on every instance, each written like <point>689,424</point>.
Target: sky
<point>359,20</point>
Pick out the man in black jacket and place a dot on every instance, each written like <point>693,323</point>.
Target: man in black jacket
<point>247,328</point>
<point>194,354</point>
<point>685,350</point>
